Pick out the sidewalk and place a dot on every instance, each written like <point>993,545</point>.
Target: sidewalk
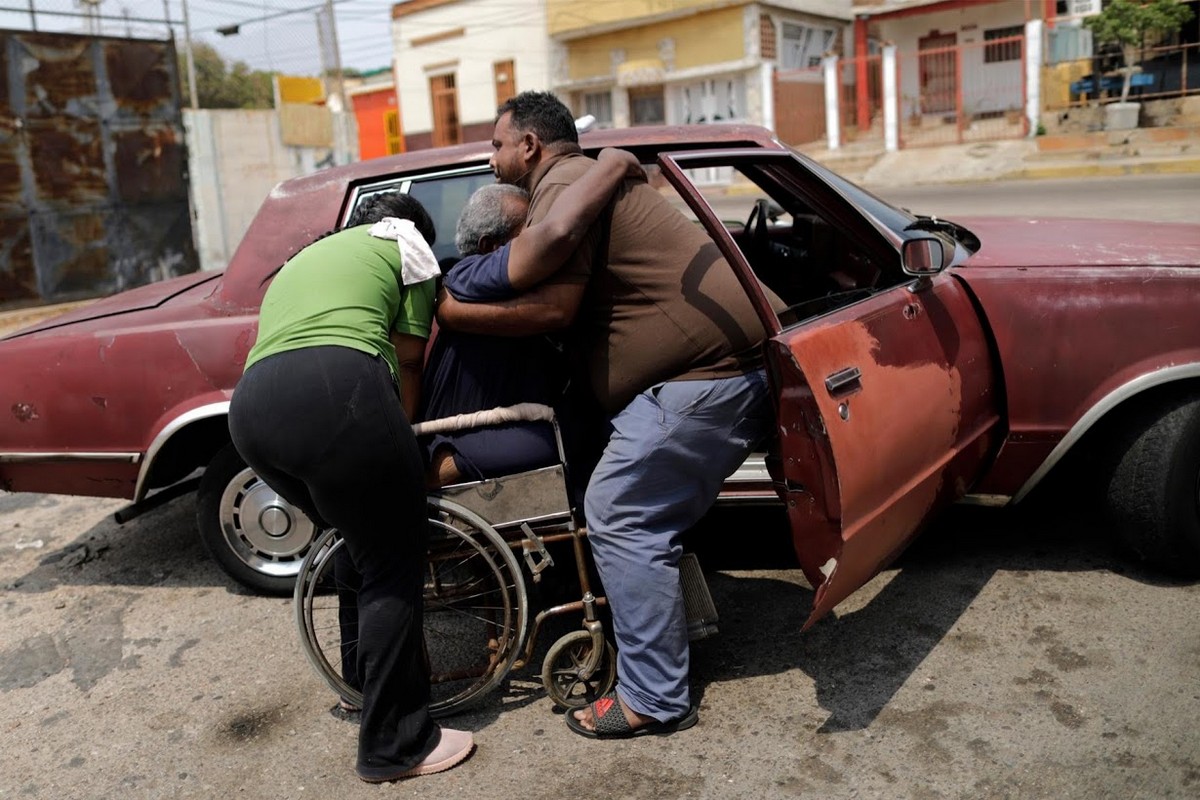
<point>1143,151</point>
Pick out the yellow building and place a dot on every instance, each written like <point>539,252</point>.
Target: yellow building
<point>643,62</point>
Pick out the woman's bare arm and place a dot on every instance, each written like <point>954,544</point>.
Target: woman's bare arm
<point>410,355</point>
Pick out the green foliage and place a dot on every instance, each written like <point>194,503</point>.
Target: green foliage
<point>1128,22</point>
<point>222,86</point>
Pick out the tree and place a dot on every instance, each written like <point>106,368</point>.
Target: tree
<point>1127,23</point>
<point>221,86</point>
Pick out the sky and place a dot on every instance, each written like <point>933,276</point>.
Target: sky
<point>287,42</point>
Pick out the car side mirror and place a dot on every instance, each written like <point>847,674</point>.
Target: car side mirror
<point>924,256</point>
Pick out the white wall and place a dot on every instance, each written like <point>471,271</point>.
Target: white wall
<point>235,158</point>
<point>987,87</point>
<point>495,30</point>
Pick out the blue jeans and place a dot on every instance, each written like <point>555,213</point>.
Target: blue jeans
<point>670,450</point>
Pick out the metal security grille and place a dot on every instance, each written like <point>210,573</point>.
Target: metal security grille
<point>93,167</point>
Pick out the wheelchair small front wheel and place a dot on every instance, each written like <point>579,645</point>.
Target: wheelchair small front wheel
<point>562,671</point>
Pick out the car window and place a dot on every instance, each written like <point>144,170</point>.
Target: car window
<point>443,196</point>
<point>814,250</point>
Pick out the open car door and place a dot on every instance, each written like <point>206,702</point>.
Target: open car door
<point>886,403</point>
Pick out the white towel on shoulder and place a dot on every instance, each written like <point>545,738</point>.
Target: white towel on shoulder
<point>417,262</point>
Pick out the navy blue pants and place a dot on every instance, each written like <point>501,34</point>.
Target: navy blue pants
<point>324,427</point>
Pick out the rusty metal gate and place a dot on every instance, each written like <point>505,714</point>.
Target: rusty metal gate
<point>93,167</point>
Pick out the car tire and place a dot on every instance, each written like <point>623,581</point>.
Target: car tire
<point>1153,491</point>
<point>256,536</point>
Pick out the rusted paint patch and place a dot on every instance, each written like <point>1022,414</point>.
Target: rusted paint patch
<point>60,76</point>
<point>67,159</point>
<point>141,77</point>
<point>24,412</point>
<point>11,199</point>
<point>17,278</point>
<point>150,165</point>
<point>93,188</point>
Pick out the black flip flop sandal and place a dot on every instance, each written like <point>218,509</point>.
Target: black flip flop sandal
<point>610,721</point>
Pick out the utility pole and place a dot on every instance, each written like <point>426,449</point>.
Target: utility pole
<point>336,53</point>
<point>191,62</point>
<point>32,16</point>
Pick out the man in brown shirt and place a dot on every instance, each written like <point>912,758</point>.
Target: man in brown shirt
<point>673,349</point>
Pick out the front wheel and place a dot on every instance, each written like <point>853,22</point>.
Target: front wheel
<point>563,675</point>
<point>256,536</point>
<point>1153,492</point>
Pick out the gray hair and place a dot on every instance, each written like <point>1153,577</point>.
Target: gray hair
<point>487,214</point>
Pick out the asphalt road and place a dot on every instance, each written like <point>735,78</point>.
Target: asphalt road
<point>1008,654</point>
<point>1161,198</point>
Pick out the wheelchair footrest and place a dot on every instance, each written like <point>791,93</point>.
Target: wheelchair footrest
<point>697,601</point>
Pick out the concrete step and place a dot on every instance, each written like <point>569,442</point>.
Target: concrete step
<point>1177,140</point>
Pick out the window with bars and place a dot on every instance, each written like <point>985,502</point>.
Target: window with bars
<point>391,128</point>
<point>506,81</point>
<point>646,106</point>
<point>599,105</point>
<point>1007,49</point>
<point>802,46</point>
<point>443,93</point>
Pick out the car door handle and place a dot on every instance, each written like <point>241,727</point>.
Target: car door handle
<point>844,382</point>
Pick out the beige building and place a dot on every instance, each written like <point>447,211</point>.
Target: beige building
<point>641,62</point>
<point>456,60</point>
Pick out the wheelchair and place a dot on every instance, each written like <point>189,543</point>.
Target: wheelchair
<point>485,538</point>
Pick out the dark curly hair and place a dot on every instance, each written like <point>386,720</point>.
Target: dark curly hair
<point>542,113</point>
<point>372,209</point>
<point>375,207</point>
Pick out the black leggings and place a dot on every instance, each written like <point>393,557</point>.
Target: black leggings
<point>323,426</point>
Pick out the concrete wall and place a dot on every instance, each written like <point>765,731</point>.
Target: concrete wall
<point>491,31</point>
<point>573,17</point>
<point>698,40</point>
<point>986,87</point>
<point>235,158</point>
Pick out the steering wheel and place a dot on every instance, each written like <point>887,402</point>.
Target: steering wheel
<point>758,242</point>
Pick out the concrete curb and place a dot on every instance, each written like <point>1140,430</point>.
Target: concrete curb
<point>1107,170</point>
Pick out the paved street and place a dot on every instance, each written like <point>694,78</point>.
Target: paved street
<point>1008,654</point>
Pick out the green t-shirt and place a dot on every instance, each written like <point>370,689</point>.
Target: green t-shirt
<point>343,290</point>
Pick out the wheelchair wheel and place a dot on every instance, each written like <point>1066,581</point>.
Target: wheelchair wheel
<point>475,610</point>
<point>562,671</point>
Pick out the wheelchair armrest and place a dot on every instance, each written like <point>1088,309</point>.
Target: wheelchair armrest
<point>522,412</point>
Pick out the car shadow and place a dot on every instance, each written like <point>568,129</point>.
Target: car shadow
<point>858,659</point>
<point>159,548</point>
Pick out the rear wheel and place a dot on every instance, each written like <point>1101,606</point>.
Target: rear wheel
<point>475,614</point>
<point>256,536</point>
<point>1153,497</point>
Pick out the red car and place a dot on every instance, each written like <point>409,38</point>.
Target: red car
<point>919,360</point>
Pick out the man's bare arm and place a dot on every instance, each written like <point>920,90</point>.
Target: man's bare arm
<point>541,249</point>
<point>549,307</point>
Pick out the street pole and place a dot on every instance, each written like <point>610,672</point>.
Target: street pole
<point>337,55</point>
<point>191,62</point>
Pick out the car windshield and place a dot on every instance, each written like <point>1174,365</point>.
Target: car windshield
<point>896,219</point>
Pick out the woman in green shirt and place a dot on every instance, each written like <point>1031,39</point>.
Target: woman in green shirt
<point>322,415</point>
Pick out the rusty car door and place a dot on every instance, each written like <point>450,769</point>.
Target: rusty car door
<point>886,407</point>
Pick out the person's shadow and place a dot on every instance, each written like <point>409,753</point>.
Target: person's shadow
<point>861,654</point>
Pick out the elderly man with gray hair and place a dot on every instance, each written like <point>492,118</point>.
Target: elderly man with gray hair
<point>467,372</point>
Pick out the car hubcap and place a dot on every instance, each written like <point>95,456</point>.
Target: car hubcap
<point>265,531</point>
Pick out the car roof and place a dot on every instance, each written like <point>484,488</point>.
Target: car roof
<point>299,210</point>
